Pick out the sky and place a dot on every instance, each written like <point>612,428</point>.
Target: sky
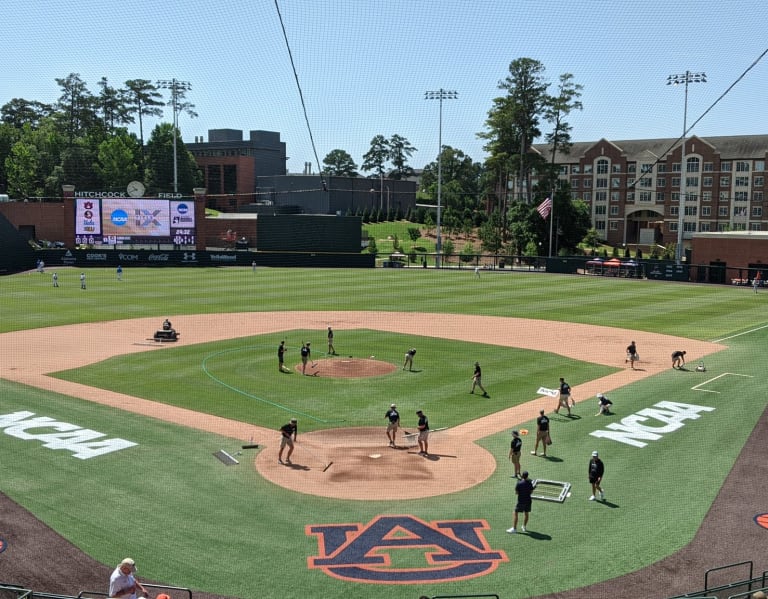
<point>364,65</point>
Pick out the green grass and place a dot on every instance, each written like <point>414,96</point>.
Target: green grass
<point>189,521</point>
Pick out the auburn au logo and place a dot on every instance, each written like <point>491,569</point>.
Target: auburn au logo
<point>448,550</point>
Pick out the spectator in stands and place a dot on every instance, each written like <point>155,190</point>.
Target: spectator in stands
<point>123,583</point>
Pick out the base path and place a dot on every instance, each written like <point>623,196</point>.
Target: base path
<point>362,465</point>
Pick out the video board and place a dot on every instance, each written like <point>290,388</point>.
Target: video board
<point>112,221</point>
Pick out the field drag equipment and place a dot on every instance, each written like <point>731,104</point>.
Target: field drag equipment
<point>412,439</point>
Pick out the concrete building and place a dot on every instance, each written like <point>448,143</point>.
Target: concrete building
<point>632,187</point>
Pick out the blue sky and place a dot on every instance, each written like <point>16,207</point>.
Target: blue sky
<point>364,65</point>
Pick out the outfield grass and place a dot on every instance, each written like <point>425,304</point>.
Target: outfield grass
<point>190,521</point>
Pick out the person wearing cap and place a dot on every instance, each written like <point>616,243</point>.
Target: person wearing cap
<point>632,356</point>
<point>123,583</point>
<point>423,427</point>
<point>604,405</point>
<point>596,471</point>
<point>306,353</point>
<point>514,452</point>
<point>331,349</point>
<point>523,490</point>
<point>542,433</point>
<point>477,380</point>
<point>564,397</point>
<point>288,437</point>
<point>281,357</point>
<point>393,418</point>
<point>409,358</point>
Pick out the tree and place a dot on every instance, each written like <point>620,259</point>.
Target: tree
<point>400,150</point>
<point>143,99</point>
<point>111,103</point>
<point>76,106</point>
<point>490,233</point>
<point>591,239</point>
<point>159,162</point>
<point>340,164</point>
<point>447,249</point>
<point>19,112</point>
<point>21,170</point>
<point>117,162</point>
<point>376,157</point>
<point>556,109</point>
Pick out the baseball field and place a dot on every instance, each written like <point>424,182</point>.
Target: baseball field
<point>117,445</point>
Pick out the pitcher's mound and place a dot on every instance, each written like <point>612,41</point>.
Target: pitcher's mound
<point>347,368</point>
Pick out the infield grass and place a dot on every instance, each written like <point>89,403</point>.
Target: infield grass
<point>190,521</point>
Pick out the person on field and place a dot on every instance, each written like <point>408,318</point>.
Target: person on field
<point>524,491</point>
<point>632,356</point>
<point>393,423</point>
<point>678,359</point>
<point>603,405</point>
<point>514,452</point>
<point>306,353</point>
<point>123,583</point>
<point>288,434</point>
<point>281,357</point>
<point>595,474</point>
<point>542,433</point>
<point>563,397</point>
<point>409,358</point>
<point>477,380</point>
<point>423,427</point>
<point>331,349</point>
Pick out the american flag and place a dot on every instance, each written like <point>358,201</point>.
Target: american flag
<point>545,208</point>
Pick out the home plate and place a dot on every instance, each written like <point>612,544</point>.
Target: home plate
<point>375,456</point>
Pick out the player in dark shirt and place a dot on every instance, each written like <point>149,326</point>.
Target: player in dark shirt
<point>281,356</point>
<point>514,452</point>
<point>524,491</point>
<point>477,380</point>
<point>542,433</point>
<point>678,359</point>
<point>288,434</point>
<point>423,427</point>
<point>393,417</point>
<point>595,473</point>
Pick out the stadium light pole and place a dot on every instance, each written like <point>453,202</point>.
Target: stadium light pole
<point>177,88</point>
<point>440,95</point>
<point>685,79</point>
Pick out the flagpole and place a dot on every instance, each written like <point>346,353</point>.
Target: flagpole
<point>551,220</point>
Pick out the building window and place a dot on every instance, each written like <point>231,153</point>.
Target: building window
<point>691,210</point>
<point>757,196</point>
<point>741,181</point>
<point>675,167</point>
<point>722,227</point>
<point>576,169</point>
<point>757,211</point>
<point>587,169</point>
<point>725,167</point>
<point>563,169</point>
<point>661,182</point>
<point>575,182</point>
<point>725,181</point>
<point>646,182</point>
<point>754,226</point>
<point>741,196</point>
<point>759,166</point>
<point>615,196</point>
<point>673,227</point>
<point>661,167</point>
<point>706,182</point>
<point>689,227</point>
<point>614,210</point>
<point>706,210</point>
<point>614,225</point>
<point>615,182</point>
<point>601,196</point>
<point>706,196</point>
<point>691,182</point>
<point>675,181</point>
<point>615,168</point>
<point>722,211</point>
<point>757,181</point>
<point>742,166</point>
<point>660,197</point>
<point>723,196</point>
<point>600,225</point>
<point>630,197</point>
<point>645,196</point>
<point>703,227</point>
<point>602,167</point>
<point>600,210</point>
<point>692,165</point>
<point>587,183</point>
<point>646,168</point>
<point>631,167</point>
<point>587,196</point>
<point>674,211</point>
<point>708,167</point>
<point>739,226</point>
<point>601,182</point>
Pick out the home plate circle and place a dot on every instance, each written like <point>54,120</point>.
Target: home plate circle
<point>375,456</point>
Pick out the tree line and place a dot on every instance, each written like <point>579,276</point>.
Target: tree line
<point>83,139</point>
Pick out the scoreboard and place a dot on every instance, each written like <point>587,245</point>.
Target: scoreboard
<point>112,221</point>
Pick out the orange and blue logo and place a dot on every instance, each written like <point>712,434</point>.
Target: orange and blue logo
<point>762,520</point>
<point>404,550</point>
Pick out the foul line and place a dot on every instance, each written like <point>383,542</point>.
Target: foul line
<point>740,334</point>
<point>696,388</point>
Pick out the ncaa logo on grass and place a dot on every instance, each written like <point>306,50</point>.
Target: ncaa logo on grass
<point>440,551</point>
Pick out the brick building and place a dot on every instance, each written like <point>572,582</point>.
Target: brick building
<point>633,187</point>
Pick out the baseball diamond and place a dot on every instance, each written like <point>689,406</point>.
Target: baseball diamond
<point>337,463</point>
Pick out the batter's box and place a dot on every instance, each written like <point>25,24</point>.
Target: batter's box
<point>550,490</point>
